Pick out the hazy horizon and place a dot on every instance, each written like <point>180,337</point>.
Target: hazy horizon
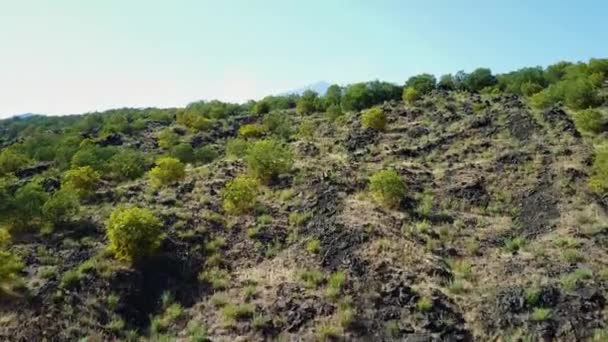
<point>69,57</point>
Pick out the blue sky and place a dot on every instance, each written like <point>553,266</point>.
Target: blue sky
<point>73,56</point>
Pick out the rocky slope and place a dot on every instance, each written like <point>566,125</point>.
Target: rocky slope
<point>497,239</point>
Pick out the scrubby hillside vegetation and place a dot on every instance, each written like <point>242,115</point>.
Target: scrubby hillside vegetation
<point>472,207</point>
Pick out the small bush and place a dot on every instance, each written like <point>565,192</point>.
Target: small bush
<point>167,138</point>
<point>167,170</point>
<point>410,95</point>
<point>134,233</point>
<point>312,279</point>
<point>206,154</point>
<point>82,181</point>
<point>589,120</point>
<point>268,158</point>
<point>252,131</point>
<point>240,194</point>
<point>298,219</point>
<point>333,112</point>
<point>374,118</point>
<point>128,164</point>
<point>61,207</point>
<point>11,161</point>
<point>279,124</point>
<point>531,88</point>
<point>313,246</point>
<point>10,267</point>
<point>237,148</point>
<point>307,129</point>
<point>598,182</point>
<point>387,187</point>
<point>335,283</point>
<point>424,304</point>
<point>541,314</point>
<point>184,152</point>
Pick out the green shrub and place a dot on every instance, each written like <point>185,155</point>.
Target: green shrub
<point>268,158</point>
<point>94,156</point>
<point>26,206</point>
<point>61,207</point>
<point>589,120</point>
<point>541,314</point>
<point>261,107</point>
<point>374,118</point>
<point>240,194</point>
<point>598,182</point>
<point>333,95</point>
<point>410,95</point>
<point>10,267</point>
<point>133,233</point>
<point>307,129</point>
<point>11,161</point>
<point>306,104</point>
<point>206,154</point>
<point>333,112</point>
<point>167,138</point>
<point>167,170</point>
<point>387,187</point>
<point>422,84</point>
<point>237,148</point>
<point>531,88</point>
<point>128,164</point>
<point>581,94</point>
<point>82,181</point>
<point>184,152</point>
<point>252,131</point>
<point>279,124</point>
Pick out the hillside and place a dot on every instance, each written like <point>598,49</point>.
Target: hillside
<point>430,212</point>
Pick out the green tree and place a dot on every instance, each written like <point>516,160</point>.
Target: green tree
<point>479,79</point>
<point>374,118</point>
<point>306,104</point>
<point>356,97</point>
<point>261,107</point>
<point>581,94</point>
<point>167,170</point>
<point>268,158</point>
<point>447,82</point>
<point>240,194</point>
<point>333,95</point>
<point>423,83</point>
<point>134,233</point>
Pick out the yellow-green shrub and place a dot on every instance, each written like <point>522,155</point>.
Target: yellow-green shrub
<point>374,118</point>
<point>410,95</point>
<point>134,233</point>
<point>252,131</point>
<point>267,159</point>
<point>589,120</point>
<point>81,180</point>
<point>240,194</point>
<point>61,207</point>
<point>387,187</point>
<point>167,170</point>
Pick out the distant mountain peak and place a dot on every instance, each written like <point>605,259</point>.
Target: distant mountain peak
<point>320,87</point>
